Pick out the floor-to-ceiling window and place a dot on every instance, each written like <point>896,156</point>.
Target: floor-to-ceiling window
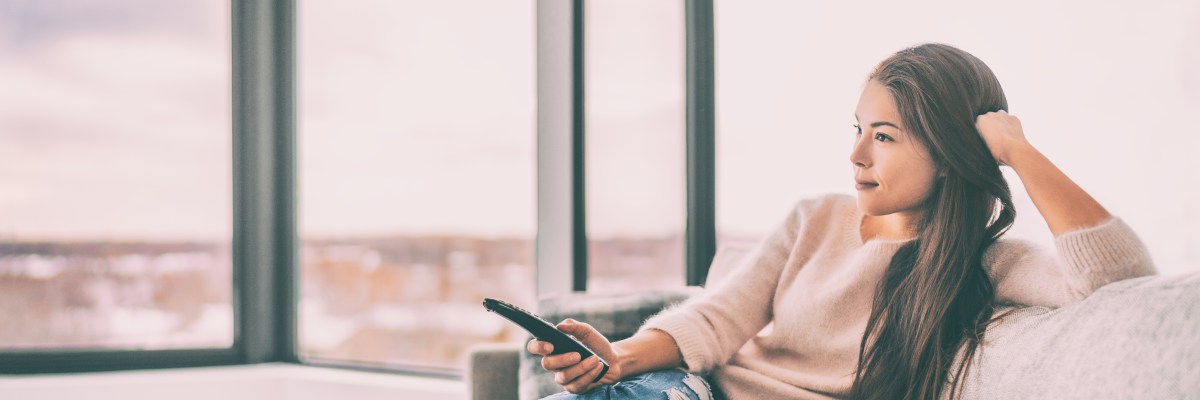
<point>634,130</point>
<point>416,177</point>
<point>115,181</point>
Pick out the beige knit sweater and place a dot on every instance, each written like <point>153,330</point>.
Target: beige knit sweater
<point>787,322</point>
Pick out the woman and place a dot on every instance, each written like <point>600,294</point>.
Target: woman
<point>915,261</point>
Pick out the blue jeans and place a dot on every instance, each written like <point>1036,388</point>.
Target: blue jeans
<point>671,384</point>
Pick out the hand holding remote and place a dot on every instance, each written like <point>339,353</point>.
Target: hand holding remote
<point>575,375</point>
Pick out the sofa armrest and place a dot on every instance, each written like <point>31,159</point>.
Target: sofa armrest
<point>492,370</point>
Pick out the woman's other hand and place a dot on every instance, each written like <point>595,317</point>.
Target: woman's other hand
<point>1003,134</point>
<point>573,374</point>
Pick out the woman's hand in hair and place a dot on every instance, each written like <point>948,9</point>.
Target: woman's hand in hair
<point>1002,133</point>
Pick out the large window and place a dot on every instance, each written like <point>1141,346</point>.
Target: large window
<point>115,188</point>
<point>416,177</point>
<point>1105,92</point>
<point>634,77</point>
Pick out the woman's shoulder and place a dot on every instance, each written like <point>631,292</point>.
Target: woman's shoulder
<point>1007,248</point>
<point>1007,253</point>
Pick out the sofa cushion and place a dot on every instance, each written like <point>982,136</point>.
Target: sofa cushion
<point>1132,339</point>
<point>615,316</point>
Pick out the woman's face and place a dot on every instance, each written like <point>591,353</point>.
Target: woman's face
<point>893,171</point>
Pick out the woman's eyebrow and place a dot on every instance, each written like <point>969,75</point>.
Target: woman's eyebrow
<point>879,124</point>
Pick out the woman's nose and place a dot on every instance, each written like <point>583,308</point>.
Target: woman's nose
<point>858,154</point>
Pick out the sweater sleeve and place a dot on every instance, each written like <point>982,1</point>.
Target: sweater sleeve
<point>711,327</point>
<point>1086,260</point>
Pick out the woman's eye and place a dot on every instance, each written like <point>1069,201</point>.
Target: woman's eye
<point>857,129</point>
<point>883,138</point>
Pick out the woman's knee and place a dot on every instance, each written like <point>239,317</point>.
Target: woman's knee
<point>672,384</point>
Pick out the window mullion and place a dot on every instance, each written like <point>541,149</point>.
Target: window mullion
<point>264,245</point>
<point>561,251</point>
<point>700,232</point>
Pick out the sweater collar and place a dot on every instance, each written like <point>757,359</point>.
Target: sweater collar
<point>854,231</point>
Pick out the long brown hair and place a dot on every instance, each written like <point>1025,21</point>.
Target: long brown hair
<point>936,296</point>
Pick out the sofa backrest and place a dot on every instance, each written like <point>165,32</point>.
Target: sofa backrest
<point>1131,339</point>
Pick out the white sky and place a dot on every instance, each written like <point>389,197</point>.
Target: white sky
<point>417,116</point>
<point>114,119</point>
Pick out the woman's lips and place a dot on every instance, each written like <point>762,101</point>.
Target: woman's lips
<point>865,185</point>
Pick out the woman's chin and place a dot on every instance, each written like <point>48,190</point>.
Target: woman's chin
<point>872,209</point>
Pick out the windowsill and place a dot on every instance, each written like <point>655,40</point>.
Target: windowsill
<point>242,382</point>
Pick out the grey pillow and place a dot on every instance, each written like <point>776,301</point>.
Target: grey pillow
<point>1132,339</point>
<point>616,316</point>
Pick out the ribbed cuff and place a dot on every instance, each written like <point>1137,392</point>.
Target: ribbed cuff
<point>1106,252</point>
<point>691,341</point>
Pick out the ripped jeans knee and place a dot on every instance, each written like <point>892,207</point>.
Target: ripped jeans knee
<point>699,389</point>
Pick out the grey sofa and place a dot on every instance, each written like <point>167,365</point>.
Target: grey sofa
<point>1133,339</point>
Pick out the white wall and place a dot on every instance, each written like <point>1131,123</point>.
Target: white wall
<point>1109,91</point>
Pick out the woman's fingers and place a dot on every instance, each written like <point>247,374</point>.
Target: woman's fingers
<point>1002,133</point>
<point>539,347</point>
<point>578,379</point>
<point>568,374</point>
<point>559,362</point>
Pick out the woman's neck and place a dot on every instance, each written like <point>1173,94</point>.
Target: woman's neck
<point>896,226</point>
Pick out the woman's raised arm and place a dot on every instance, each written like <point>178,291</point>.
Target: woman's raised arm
<point>1063,204</point>
<point>1094,248</point>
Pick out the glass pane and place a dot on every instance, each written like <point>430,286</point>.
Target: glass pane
<point>115,181</point>
<point>416,124</point>
<point>635,181</point>
<point>1105,92</point>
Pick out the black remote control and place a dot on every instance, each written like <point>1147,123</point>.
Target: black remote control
<point>544,331</point>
